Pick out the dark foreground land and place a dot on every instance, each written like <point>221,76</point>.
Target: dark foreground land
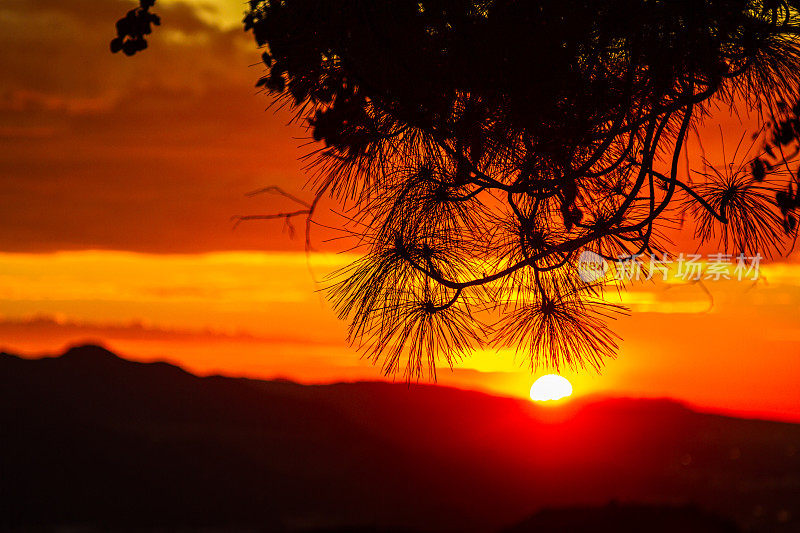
<point>92,442</point>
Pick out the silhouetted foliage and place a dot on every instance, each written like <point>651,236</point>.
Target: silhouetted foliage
<point>132,28</point>
<point>782,145</point>
<point>477,146</point>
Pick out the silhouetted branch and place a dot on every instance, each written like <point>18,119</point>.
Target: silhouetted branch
<point>277,190</point>
<point>244,218</point>
<point>472,171</point>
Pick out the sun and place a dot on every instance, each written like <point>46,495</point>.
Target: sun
<point>550,387</point>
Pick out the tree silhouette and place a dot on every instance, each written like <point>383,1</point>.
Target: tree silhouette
<point>476,147</point>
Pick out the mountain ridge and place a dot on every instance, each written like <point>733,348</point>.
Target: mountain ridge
<point>97,353</point>
<point>94,438</point>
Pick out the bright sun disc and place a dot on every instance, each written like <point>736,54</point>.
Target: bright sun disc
<point>550,387</point>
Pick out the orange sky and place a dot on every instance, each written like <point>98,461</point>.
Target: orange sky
<point>118,178</point>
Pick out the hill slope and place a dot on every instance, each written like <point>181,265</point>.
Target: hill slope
<point>93,440</point>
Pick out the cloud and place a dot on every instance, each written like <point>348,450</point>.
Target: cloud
<point>150,153</point>
<point>203,351</point>
<point>61,47</point>
<point>54,330</point>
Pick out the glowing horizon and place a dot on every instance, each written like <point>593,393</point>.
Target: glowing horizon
<point>259,314</point>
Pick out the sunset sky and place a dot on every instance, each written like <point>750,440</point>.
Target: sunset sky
<point>119,177</point>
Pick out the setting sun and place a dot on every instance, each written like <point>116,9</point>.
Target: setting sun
<point>550,387</point>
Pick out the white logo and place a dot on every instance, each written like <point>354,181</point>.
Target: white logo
<point>591,267</point>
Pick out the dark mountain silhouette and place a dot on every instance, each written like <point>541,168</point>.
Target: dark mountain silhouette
<point>93,441</point>
<point>625,519</point>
